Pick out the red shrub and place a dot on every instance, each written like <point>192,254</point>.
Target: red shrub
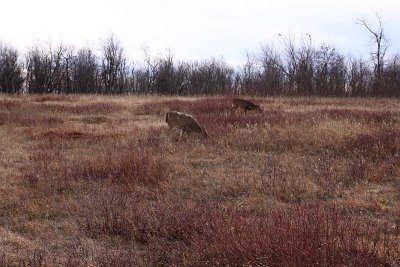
<point>300,236</point>
<point>129,166</point>
<point>201,234</point>
<point>130,163</point>
<point>107,213</point>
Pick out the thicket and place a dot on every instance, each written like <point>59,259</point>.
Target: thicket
<point>295,68</point>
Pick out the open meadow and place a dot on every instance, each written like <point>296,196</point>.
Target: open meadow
<point>100,181</point>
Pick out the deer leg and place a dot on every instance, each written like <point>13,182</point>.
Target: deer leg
<point>171,129</point>
<point>232,110</point>
<point>180,136</point>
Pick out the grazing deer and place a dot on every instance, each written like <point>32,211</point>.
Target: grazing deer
<point>185,123</point>
<point>244,104</point>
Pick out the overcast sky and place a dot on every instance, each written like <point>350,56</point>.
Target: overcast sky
<point>195,29</point>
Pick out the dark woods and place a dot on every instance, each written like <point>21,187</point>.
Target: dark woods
<point>296,68</point>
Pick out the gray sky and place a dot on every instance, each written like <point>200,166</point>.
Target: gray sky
<point>195,29</point>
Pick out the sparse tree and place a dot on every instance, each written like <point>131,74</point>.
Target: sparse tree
<point>330,72</point>
<point>273,73</point>
<point>85,72</point>
<point>304,66</point>
<point>144,74</point>
<point>11,77</point>
<point>114,68</point>
<point>165,81</point>
<point>211,77</point>
<point>49,71</point>
<point>250,75</point>
<point>378,56</point>
<point>38,66</point>
<point>359,78</point>
<point>391,77</point>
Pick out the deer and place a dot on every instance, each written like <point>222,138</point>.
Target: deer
<point>184,122</point>
<point>245,105</point>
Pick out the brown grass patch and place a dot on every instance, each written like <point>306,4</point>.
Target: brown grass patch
<point>92,119</point>
<point>7,104</point>
<point>369,116</point>
<point>379,145</point>
<point>59,135</point>
<point>83,109</point>
<point>194,107</point>
<point>54,98</point>
<point>25,115</point>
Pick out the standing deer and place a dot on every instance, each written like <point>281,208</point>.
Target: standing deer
<point>184,122</point>
<point>244,104</point>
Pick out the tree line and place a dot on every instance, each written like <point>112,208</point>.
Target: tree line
<point>295,68</point>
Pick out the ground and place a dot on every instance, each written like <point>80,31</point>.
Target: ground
<point>100,181</point>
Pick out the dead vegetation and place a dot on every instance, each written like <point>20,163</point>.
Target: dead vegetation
<point>99,181</point>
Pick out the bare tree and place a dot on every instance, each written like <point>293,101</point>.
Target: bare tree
<point>297,65</point>
<point>250,76</point>
<point>330,72</point>
<point>38,66</point>
<point>11,78</point>
<point>273,72</point>
<point>211,77</point>
<point>114,69</point>
<point>58,72</point>
<point>391,77</point>
<point>68,57</point>
<point>382,44</point>
<point>165,81</point>
<point>49,69</point>
<point>85,72</point>
<point>144,75</point>
<point>359,78</point>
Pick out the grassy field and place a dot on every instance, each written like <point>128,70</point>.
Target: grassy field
<point>100,181</point>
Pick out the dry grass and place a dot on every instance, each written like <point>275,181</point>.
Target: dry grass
<point>99,181</point>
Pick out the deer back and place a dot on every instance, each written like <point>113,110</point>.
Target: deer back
<point>184,122</point>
